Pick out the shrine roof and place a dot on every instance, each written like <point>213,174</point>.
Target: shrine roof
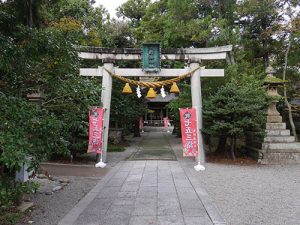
<point>159,98</point>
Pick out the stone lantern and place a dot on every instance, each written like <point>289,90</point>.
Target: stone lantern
<point>23,174</point>
<point>278,146</point>
<point>272,83</point>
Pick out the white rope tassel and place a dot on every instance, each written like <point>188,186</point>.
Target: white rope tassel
<point>138,92</point>
<point>162,92</point>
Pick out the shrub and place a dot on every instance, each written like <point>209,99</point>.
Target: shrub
<point>11,191</point>
<point>236,108</point>
<point>26,129</point>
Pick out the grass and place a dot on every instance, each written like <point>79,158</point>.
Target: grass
<point>9,216</point>
<point>116,147</point>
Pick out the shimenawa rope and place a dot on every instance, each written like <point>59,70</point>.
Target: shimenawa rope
<point>154,84</point>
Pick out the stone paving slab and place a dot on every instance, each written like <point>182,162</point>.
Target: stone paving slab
<point>145,192</point>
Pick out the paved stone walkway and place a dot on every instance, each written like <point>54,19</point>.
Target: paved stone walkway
<point>154,146</point>
<point>146,192</point>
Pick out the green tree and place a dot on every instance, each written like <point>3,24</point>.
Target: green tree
<point>134,10</point>
<point>45,61</point>
<point>27,130</point>
<point>260,20</point>
<point>126,109</point>
<point>236,108</point>
<point>289,69</point>
<point>38,56</point>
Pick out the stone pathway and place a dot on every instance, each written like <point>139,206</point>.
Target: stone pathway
<point>146,192</point>
<point>154,146</point>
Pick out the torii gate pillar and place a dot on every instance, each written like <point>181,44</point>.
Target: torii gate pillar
<point>197,104</point>
<point>106,100</point>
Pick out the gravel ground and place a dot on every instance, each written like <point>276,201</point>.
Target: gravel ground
<point>49,209</point>
<point>250,194</point>
<point>266,195</point>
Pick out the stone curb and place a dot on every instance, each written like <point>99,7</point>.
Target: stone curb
<point>70,165</point>
<point>72,215</point>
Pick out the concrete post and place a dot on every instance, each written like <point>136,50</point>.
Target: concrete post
<point>106,100</point>
<point>197,103</point>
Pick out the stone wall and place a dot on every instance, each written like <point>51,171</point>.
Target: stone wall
<point>115,135</point>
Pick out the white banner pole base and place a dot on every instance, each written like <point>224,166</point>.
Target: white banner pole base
<point>199,167</point>
<point>100,164</point>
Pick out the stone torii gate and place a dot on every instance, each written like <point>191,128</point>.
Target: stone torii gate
<point>192,56</point>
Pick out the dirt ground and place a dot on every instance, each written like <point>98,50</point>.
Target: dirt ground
<point>222,158</point>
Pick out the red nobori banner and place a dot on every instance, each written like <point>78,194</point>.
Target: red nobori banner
<point>166,122</point>
<point>141,123</point>
<point>189,133</point>
<point>95,130</point>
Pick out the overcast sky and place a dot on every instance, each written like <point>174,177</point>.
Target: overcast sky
<point>110,5</point>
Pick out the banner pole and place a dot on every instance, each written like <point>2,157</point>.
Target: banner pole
<point>101,164</point>
<point>199,167</point>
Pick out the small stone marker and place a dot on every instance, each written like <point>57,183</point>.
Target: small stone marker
<point>57,188</point>
<point>64,180</point>
<point>25,206</point>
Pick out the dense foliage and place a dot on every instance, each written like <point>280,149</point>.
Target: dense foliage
<point>11,192</point>
<point>39,56</point>
<point>45,62</point>
<point>235,109</point>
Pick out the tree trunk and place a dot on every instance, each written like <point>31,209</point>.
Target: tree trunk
<point>221,144</point>
<point>284,89</point>
<point>208,142</point>
<point>30,13</point>
<point>266,54</point>
<point>136,128</point>
<point>1,170</point>
<point>176,129</point>
<point>232,148</point>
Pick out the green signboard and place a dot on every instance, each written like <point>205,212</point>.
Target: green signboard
<point>151,57</point>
